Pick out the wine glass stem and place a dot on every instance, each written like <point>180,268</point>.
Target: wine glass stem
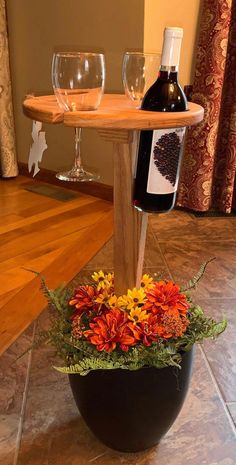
<point>78,160</point>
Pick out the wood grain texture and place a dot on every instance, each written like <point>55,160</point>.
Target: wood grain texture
<point>123,136</point>
<point>141,248</point>
<point>126,220</point>
<point>43,108</point>
<point>47,236</point>
<point>114,112</point>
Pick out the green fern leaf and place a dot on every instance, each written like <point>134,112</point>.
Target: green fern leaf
<point>88,364</point>
<point>194,281</point>
<point>217,328</point>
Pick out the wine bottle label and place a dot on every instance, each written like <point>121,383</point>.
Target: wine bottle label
<point>166,150</point>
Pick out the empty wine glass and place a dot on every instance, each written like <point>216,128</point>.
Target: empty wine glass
<point>139,71</point>
<point>78,83</point>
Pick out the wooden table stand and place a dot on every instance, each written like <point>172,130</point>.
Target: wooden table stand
<point>118,121</point>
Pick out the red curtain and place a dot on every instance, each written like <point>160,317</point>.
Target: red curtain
<point>209,166</point>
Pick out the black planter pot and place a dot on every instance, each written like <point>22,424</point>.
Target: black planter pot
<point>131,411</point>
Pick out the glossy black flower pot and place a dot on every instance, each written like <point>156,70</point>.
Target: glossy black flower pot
<point>131,411</point>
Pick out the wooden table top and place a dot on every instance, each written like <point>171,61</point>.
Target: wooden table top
<point>115,112</point>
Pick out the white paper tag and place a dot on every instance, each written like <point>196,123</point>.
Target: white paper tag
<point>37,148</point>
<point>164,162</point>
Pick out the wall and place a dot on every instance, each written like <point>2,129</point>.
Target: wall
<point>36,29</point>
<point>179,13</point>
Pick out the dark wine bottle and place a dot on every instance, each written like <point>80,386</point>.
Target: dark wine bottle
<point>159,152</point>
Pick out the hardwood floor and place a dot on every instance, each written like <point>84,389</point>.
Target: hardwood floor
<point>46,235</point>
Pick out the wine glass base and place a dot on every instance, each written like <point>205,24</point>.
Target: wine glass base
<point>77,175</point>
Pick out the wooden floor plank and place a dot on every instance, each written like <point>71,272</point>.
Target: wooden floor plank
<point>24,258</point>
<point>19,222</point>
<point>28,303</point>
<point>46,235</point>
<point>18,276</point>
<point>61,225</point>
<point>24,205</point>
<point>4,298</point>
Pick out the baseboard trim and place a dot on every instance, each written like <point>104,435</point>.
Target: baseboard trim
<point>97,189</point>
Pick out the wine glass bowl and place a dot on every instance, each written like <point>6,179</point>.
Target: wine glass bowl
<point>78,80</point>
<point>139,71</point>
<point>78,83</point>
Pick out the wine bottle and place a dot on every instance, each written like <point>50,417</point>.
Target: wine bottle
<point>159,152</point>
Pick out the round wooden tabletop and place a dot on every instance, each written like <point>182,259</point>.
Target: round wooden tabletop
<point>115,112</point>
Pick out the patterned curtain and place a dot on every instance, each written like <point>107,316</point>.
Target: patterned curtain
<point>8,163</point>
<point>209,167</point>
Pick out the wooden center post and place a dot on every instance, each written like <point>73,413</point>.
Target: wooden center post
<point>126,217</point>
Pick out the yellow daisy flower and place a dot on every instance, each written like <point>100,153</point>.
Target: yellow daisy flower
<point>103,280</point>
<point>109,281</point>
<point>113,302</point>
<point>109,277</point>
<point>99,277</point>
<point>137,315</point>
<point>103,298</point>
<point>134,298</point>
<point>146,282</point>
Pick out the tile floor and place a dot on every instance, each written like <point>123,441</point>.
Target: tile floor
<point>39,420</point>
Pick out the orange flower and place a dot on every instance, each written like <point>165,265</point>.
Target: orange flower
<point>83,299</point>
<point>172,324</point>
<point>129,335</point>
<point>112,328</point>
<point>166,295</point>
<point>105,330</point>
<point>150,330</point>
<point>77,330</point>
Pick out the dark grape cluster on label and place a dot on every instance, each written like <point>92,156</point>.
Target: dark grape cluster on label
<point>166,156</point>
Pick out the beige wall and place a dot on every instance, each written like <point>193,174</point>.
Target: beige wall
<point>36,28</point>
<point>179,13</point>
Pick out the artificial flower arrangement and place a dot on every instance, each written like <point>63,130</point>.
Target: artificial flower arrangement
<point>150,326</point>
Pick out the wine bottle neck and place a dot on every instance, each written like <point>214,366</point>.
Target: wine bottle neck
<point>168,73</point>
<point>169,69</point>
<point>171,48</point>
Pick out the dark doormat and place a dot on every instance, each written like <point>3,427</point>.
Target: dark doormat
<point>53,192</point>
<point>213,214</point>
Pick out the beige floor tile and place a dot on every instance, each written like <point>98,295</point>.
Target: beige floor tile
<point>181,225</point>
<point>232,410</point>
<point>221,353</point>
<point>13,378</point>
<point>184,260</point>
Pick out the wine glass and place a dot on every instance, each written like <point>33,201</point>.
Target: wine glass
<point>78,83</point>
<point>139,71</point>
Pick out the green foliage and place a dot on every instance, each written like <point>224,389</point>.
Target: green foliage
<point>157,356</point>
<point>80,356</point>
<point>201,327</point>
<point>194,281</point>
<point>88,364</point>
